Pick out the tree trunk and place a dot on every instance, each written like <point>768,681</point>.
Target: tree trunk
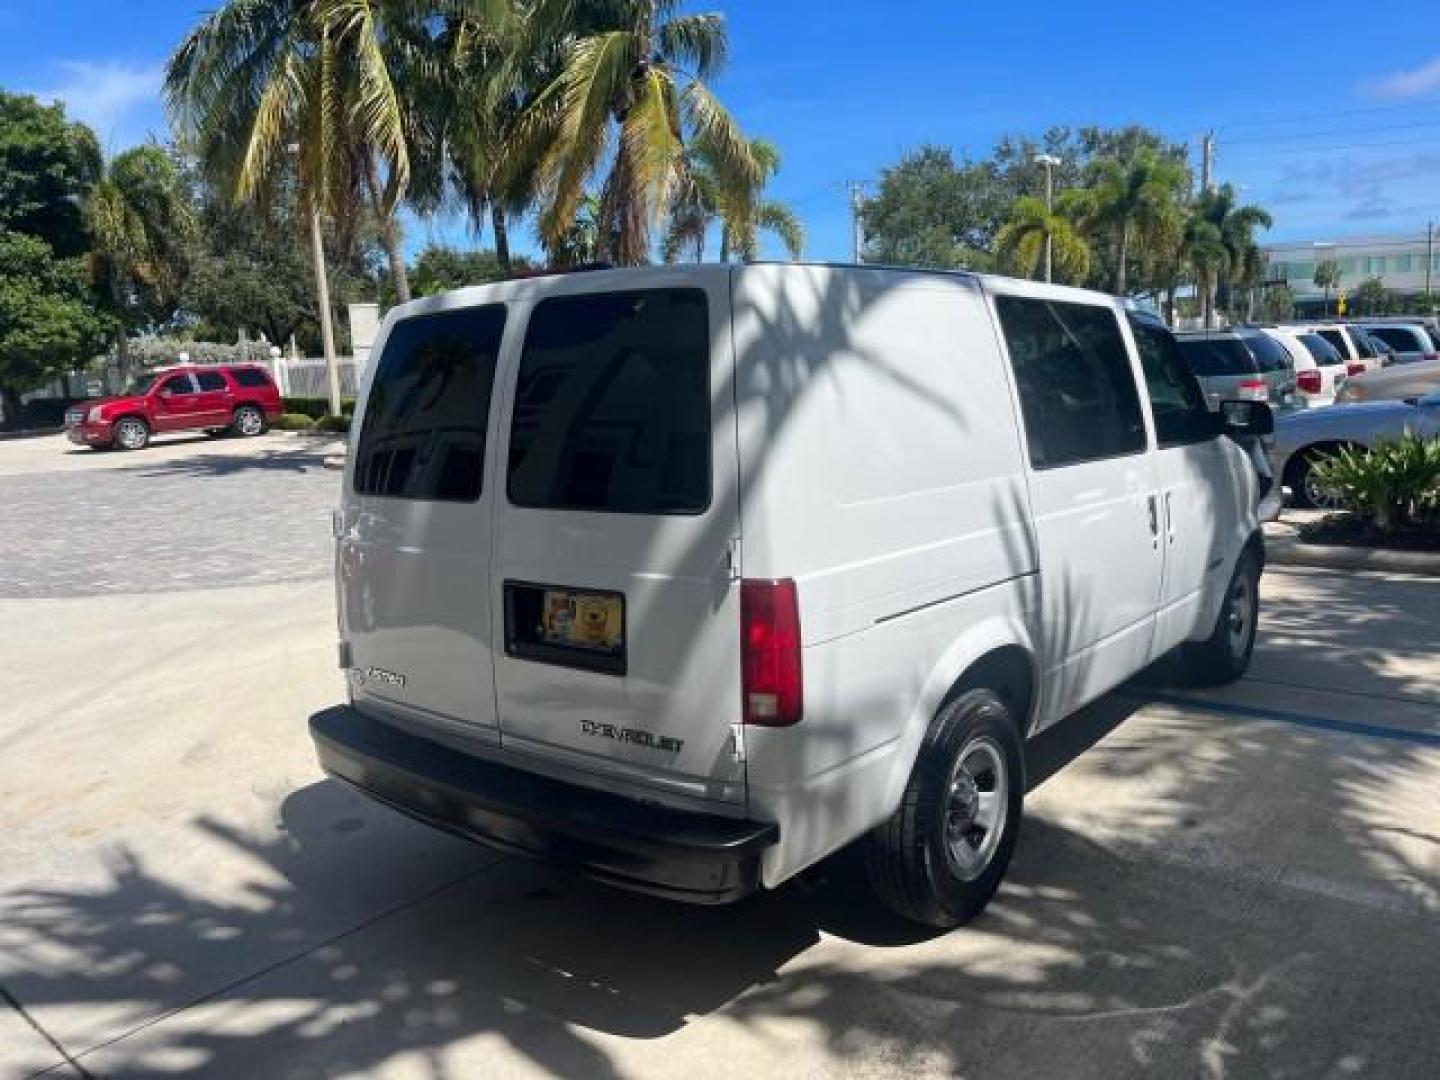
<point>631,244</point>
<point>10,405</point>
<point>1124,256</point>
<point>389,232</point>
<point>502,237</point>
<point>122,352</point>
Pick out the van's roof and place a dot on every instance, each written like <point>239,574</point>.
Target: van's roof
<point>603,279</point>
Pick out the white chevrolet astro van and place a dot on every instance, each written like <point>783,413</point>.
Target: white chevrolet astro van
<point>689,577</point>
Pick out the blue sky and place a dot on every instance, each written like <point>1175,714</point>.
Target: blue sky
<point>1328,114</point>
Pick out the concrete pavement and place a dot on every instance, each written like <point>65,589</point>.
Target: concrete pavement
<point>1198,893</point>
<point>1233,884</point>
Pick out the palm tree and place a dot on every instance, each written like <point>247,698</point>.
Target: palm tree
<point>1327,277</point>
<point>1021,240</point>
<point>466,82</point>
<point>1233,228</point>
<point>630,91</point>
<point>258,78</point>
<point>141,227</point>
<point>740,208</point>
<point>1136,198</point>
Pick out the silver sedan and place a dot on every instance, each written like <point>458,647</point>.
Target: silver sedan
<point>1302,438</point>
<point>1397,381</point>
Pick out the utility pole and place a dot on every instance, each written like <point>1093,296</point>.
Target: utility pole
<point>1207,159</point>
<point>857,204</point>
<point>1429,258</point>
<point>1049,161</point>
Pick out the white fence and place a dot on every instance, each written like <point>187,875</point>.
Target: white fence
<point>306,377</point>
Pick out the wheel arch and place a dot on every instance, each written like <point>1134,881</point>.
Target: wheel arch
<point>996,654</point>
<point>1290,474</point>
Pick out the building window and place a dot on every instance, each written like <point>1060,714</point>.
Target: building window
<point>1347,266</point>
<point>1400,264</point>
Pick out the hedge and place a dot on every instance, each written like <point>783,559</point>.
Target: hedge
<point>316,407</point>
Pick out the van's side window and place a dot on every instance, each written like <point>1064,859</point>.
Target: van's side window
<point>612,405</point>
<point>1077,389</point>
<point>1176,399</point>
<point>424,431</point>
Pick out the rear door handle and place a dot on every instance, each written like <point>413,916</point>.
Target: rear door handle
<point>1169,517</point>
<point>1154,506</point>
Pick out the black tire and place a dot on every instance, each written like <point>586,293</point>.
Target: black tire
<point>248,422</point>
<point>131,433</point>
<point>1224,656</point>
<point>909,859</point>
<point>217,432</point>
<point>1302,494</point>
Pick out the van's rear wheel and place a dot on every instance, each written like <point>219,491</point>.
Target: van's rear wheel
<point>942,854</point>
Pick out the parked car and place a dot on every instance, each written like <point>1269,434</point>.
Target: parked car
<point>1360,356</point>
<point>1319,367</point>
<point>1240,364</point>
<point>233,398</point>
<point>694,575</point>
<point>1304,438</point>
<point>1429,323</point>
<point>1409,342</point>
<point>1397,383</point>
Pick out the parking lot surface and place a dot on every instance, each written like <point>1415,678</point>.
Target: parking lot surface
<point>1233,884</point>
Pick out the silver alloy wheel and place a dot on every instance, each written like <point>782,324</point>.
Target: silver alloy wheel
<point>977,804</point>
<point>1239,615</point>
<point>249,422</point>
<point>130,434</point>
<point>1317,494</point>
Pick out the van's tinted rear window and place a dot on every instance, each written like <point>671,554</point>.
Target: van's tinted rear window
<point>424,431</point>
<point>612,405</point>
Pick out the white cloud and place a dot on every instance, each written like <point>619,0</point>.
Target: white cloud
<point>1417,82</point>
<point>120,101</point>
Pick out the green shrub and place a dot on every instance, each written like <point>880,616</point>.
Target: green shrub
<point>1393,482</point>
<point>293,421</point>
<point>316,407</point>
<point>337,424</point>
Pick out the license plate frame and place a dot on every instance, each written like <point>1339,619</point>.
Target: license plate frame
<point>572,626</point>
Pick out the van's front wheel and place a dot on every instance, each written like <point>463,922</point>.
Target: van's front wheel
<point>941,856</point>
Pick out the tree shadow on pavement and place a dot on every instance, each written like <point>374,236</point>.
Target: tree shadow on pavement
<point>298,460</point>
<point>1129,952</point>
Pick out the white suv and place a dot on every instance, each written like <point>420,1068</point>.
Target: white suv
<point>691,576</point>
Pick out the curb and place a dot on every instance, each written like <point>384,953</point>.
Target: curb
<point>1285,551</point>
<point>335,461</point>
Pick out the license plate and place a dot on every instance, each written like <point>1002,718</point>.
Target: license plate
<point>572,627</point>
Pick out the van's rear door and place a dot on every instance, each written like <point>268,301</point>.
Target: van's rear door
<point>616,609</point>
<point>414,547</point>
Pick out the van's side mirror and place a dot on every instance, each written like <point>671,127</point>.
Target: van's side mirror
<point>1240,418</point>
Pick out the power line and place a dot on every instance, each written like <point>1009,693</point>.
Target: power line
<point>1320,148</point>
<point>1300,136</point>
<point>1329,114</point>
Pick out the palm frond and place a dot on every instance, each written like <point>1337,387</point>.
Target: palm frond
<point>780,220</point>
<point>698,42</point>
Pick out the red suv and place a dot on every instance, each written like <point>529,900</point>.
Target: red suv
<point>239,398</point>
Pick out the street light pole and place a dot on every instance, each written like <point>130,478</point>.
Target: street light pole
<point>1049,161</point>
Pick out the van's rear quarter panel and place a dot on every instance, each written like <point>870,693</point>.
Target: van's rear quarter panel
<point>880,468</point>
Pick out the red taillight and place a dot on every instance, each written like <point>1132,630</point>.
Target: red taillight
<point>1309,382</point>
<point>1252,390</point>
<point>1354,368</point>
<point>770,653</point>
